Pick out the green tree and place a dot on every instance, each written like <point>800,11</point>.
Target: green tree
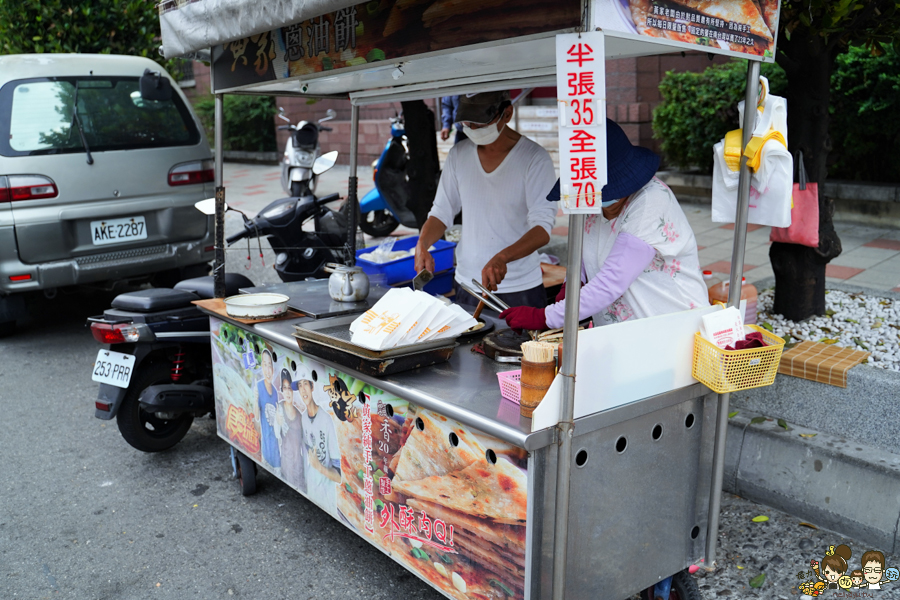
<point>812,34</point>
<point>86,26</point>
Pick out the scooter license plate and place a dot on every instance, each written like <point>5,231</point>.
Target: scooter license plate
<point>113,368</point>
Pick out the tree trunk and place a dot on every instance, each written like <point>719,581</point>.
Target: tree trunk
<point>423,166</point>
<point>800,271</point>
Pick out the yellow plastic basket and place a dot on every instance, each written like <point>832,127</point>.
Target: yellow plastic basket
<point>726,371</point>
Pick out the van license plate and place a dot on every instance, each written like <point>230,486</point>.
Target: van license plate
<point>113,368</point>
<point>117,231</point>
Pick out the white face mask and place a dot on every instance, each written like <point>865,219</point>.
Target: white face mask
<point>483,135</point>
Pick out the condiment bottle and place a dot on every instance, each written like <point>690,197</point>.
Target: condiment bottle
<point>719,293</point>
<point>711,281</point>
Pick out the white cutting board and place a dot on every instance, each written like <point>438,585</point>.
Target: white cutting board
<point>629,361</point>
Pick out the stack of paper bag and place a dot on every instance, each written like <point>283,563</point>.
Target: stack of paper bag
<point>403,317</point>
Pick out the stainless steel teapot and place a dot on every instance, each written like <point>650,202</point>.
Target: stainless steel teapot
<point>347,284</point>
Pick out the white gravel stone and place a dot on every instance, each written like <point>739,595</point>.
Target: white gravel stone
<point>853,320</point>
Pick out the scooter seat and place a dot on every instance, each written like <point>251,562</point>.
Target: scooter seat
<point>204,286</point>
<point>153,300</point>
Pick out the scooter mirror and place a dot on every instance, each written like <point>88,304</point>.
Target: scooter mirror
<point>208,206</point>
<point>331,114</point>
<point>325,162</point>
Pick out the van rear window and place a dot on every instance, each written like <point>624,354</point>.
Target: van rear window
<point>38,117</point>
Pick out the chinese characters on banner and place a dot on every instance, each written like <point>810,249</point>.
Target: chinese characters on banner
<point>581,92</point>
<point>369,514</point>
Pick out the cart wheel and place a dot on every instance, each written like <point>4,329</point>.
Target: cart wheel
<point>684,587</point>
<point>246,472</point>
<point>143,430</point>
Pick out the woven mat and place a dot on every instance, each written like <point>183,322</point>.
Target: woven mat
<point>824,363</point>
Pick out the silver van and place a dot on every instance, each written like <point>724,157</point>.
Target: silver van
<point>97,178</point>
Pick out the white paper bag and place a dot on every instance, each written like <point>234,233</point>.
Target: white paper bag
<point>770,187</point>
<point>724,327</point>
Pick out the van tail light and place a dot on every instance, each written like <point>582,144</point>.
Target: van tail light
<point>26,187</point>
<point>191,173</point>
<point>120,333</point>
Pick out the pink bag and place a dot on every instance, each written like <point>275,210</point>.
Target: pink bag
<point>804,228</point>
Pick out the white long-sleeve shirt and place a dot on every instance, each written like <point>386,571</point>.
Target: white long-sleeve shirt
<point>499,207</point>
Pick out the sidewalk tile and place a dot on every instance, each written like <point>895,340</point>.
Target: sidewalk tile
<point>884,243</point>
<point>750,226</point>
<point>874,280</point>
<point>560,230</point>
<point>864,257</point>
<point>839,272</point>
<point>724,266</point>
<point>255,193</point>
<point>254,187</point>
<point>896,289</point>
<point>716,234</point>
<point>759,273</point>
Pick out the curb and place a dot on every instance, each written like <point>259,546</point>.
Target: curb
<point>848,487</point>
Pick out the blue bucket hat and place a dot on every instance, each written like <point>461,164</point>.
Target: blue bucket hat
<point>628,168</point>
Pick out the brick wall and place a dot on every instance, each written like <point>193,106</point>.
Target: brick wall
<point>632,90</point>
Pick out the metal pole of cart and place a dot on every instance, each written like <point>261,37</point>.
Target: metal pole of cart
<point>352,201</point>
<point>219,265</point>
<point>567,406</point>
<point>734,299</point>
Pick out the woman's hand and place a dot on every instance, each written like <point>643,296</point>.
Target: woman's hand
<point>493,272</point>
<point>525,317</point>
<point>423,260</point>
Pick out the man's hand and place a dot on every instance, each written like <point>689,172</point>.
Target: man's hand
<point>424,259</point>
<point>445,133</point>
<point>493,272</point>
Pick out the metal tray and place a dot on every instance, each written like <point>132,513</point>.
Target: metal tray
<point>377,367</point>
<point>335,333</point>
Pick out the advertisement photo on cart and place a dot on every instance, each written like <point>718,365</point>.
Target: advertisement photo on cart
<point>443,499</point>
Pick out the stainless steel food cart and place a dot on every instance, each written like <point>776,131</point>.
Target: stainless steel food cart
<point>634,483</point>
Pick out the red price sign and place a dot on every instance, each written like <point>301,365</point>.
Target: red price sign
<point>581,90</point>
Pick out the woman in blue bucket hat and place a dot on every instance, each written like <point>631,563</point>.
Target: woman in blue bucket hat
<point>640,255</point>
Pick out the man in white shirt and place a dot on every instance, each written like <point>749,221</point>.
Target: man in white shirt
<point>500,180</point>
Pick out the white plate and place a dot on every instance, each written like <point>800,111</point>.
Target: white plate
<point>256,306</point>
<point>117,231</point>
<point>113,368</point>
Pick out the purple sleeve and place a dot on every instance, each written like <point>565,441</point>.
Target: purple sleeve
<point>626,261</point>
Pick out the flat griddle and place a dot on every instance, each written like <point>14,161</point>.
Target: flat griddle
<point>313,300</point>
<point>504,343</point>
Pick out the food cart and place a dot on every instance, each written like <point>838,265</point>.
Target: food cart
<point>431,465</point>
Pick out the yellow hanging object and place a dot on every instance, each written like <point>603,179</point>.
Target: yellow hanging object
<point>830,551</point>
<point>732,150</point>
<point>752,151</point>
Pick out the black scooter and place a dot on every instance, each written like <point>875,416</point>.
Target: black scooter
<point>156,375</point>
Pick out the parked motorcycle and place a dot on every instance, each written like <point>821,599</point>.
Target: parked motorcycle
<point>156,375</point>
<point>384,208</point>
<point>300,153</point>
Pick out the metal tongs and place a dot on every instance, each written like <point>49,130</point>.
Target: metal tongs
<point>488,301</point>
<point>493,297</point>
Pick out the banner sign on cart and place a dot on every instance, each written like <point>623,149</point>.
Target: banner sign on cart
<point>731,27</point>
<point>581,96</point>
<point>445,501</point>
<point>376,31</point>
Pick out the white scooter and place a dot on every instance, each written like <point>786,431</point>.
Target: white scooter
<point>300,152</point>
